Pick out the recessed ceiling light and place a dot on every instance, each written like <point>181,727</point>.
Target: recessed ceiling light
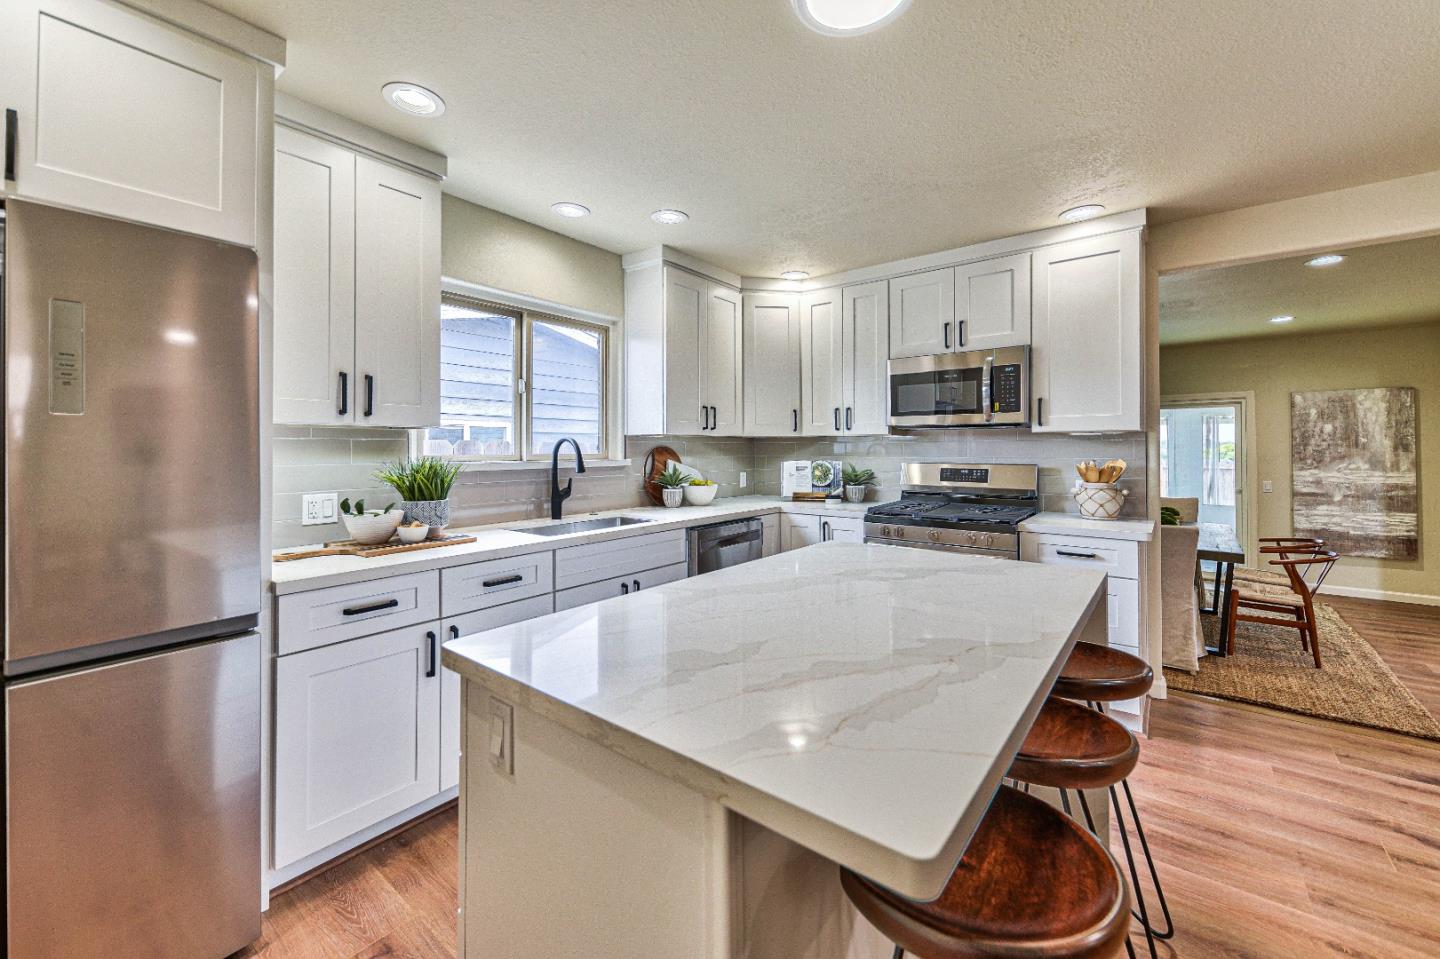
<point>794,275</point>
<point>1086,212</point>
<point>845,18</point>
<point>413,99</point>
<point>1329,259</point>
<point>1282,319</point>
<point>572,210</point>
<point>669,217</point>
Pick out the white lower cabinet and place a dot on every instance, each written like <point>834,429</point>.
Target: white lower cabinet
<point>357,736</point>
<point>770,535</point>
<point>457,627</point>
<point>799,529</point>
<point>618,586</point>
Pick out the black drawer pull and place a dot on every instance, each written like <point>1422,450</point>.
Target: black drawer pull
<point>12,133</point>
<point>430,669</point>
<point>503,580</point>
<point>372,608</point>
<point>636,583</point>
<point>1063,552</point>
<point>624,589</point>
<point>454,632</point>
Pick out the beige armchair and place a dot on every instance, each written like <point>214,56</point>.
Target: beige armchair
<point>1182,640</point>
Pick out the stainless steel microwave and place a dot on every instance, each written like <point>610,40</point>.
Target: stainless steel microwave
<point>979,388</point>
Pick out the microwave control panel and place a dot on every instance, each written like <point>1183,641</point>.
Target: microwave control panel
<point>1007,388</point>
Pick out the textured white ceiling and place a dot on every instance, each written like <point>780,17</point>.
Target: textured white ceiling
<point>1386,285</point>
<point>964,120</point>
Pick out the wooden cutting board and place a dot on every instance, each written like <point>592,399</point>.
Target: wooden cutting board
<point>657,461</point>
<point>348,547</point>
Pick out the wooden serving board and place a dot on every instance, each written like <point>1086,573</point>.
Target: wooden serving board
<point>657,461</point>
<point>348,547</point>
<point>819,497</point>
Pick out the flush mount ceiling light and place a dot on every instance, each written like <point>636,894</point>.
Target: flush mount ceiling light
<point>1329,259</point>
<point>413,99</point>
<point>669,217</point>
<point>1282,319</point>
<point>572,210</point>
<point>1086,212</point>
<point>794,275</point>
<point>846,18</point>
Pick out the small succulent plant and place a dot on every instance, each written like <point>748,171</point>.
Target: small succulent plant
<point>852,475</point>
<point>672,478</point>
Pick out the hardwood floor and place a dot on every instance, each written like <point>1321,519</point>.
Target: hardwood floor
<point>1277,836</point>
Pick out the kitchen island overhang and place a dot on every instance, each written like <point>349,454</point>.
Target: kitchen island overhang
<point>860,701</point>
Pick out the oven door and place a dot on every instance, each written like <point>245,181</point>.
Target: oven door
<point>982,388</point>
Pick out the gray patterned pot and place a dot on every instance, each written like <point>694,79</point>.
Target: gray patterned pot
<point>856,494</point>
<point>434,513</point>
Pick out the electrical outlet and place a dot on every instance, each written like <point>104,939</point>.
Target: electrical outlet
<point>319,508</point>
<point>1267,487</point>
<point>743,482</point>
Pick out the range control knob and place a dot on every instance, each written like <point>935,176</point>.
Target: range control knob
<point>934,536</point>
<point>986,540</point>
<point>900,532</point>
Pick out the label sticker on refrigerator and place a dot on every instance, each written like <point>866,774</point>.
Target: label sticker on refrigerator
<point>67,357</point>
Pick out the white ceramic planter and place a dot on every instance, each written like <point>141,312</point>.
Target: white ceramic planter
<point>672,497</point>
<point>372,529</point>
<point>856,494</point>
<point>700,495</point>
<point>1100,500</point>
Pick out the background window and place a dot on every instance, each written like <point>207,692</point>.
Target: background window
<point>566,386</point>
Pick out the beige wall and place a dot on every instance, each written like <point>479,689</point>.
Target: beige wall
<point>1274,367</point>
<point>492,249</point>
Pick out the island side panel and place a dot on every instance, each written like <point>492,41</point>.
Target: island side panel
<point>585,854</point>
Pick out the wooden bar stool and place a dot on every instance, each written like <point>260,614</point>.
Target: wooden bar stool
<point>1032,883</point>
<point>1097,675</point>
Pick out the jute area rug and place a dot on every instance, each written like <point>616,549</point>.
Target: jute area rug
<point>1269,669</point>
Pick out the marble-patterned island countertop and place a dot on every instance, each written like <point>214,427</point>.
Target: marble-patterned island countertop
<point>862,701</point>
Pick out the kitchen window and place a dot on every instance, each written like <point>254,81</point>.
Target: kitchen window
<point>512,382</point>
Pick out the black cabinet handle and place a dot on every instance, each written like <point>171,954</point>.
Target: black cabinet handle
<point>714,418</point>
<point>794,421</point>
<point>636,585</point>
<point>430,669</point>
<point>502,581</point>
<point>344,409</point>
<point>1062,552</point>
<point>624,589</point>
<point>369,394</point>
<point>12,134</point>
<point>960,333</point>
<point>1040,411</point>
<point>837,419</point>
<point>947,334</point>
<point>454,632</point>
<point>848,424</point>
<point>372,608</point>
<point>825,531</point>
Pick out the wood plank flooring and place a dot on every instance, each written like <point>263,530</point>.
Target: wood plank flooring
<point>1277,836</point>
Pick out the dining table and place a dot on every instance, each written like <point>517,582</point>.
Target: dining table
<point>1219,544</point>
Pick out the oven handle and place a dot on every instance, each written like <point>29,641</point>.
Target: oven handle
<point>987,388</point>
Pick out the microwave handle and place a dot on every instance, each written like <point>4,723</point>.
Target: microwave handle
<point>987,387</point>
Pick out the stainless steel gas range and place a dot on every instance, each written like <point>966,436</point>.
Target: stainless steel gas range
<point>974,508</point>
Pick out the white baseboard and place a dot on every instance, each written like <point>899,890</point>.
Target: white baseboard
<point>1385,595</point>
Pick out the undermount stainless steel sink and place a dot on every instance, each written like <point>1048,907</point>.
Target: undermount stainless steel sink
<point>582,526</point>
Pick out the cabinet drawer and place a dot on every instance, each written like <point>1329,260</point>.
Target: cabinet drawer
<point>325,616</point>
<point>1114,556</point>
<point>618,586</point>
<point>464,589</point>
<point>578,565</point>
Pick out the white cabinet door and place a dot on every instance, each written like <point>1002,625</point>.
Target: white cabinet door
<point>618,586</point>
<point>992,303</point>
<point>314,280</point>
<point>458,627</point>
<point>722,386</point>
<point>397,296</point>
<point>822,363</point>
<point>126,116</point>
<point>922,313</point>
<point>797,530</point>
<point>770,535</point>
<point>1123,611</point>
<point>1086,342</point>
<point>687,305</point>
<point>842,529</point>
<point>865,312</point>
<point>356,736</point>
<point>772,364</point>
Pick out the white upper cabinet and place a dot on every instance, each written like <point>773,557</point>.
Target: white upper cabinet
<point>397,296</point>
<point>1087,337</point>
<point>992,303</point>
<point>922,313</point>
<point>123,115</point>
<point>772,364</point>
<point>357,288</point>
<point>865,345</point>
<point>314,280</point>
<point>683,346</point>
<point>822,364</point>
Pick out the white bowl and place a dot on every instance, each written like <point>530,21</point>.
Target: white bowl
<point>372,529</point>
<point>700,495</point>
<point>412,534</point>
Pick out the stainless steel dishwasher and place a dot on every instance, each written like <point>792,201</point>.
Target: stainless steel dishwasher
<point>724,544</point>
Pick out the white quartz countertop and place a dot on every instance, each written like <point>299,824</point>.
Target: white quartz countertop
<point>1072,524</point>
<point>510,539</point>
<point>861,700</point>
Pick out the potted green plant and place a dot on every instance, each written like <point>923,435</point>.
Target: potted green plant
<point>672,486</point>
<point>424,487</point>
<point>857,482</point>
<point>369,527</point>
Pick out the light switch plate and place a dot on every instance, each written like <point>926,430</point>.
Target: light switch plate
<point>1267,487</point>
<point>319,508</point>
<point>743,479</point>
<point>502,736</point>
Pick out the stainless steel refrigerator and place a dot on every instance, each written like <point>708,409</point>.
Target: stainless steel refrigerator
<point>131,590</point>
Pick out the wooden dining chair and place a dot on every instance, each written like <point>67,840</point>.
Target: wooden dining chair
<point>1268,603</point>
<point>1284,546</point>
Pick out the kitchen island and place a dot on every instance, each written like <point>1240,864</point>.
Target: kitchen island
<point>675,773</point>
